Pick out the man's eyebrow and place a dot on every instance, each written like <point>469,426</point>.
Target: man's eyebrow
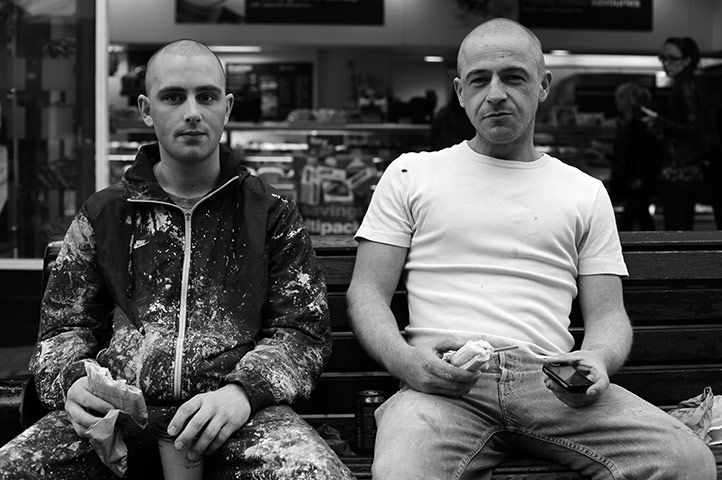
<point>209,88</point>
<point>167,90</point>
<point>202,88</point>
<point>505,70</point>
<point>516,70</point>
<point>477,72</point>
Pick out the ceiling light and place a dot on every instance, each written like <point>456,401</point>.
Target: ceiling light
<point>235,49</point>
<point>600,61</point>
<point>433,59</point>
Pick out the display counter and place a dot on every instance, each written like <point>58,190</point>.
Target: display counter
<point>329,169</point>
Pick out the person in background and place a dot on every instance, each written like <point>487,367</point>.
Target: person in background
<point>4,185</point>
<point>714,180</point>
<point>494,241</point>
<point>681,131</point>
<point>634,164</point>
<point>196,283</point>
<point>450,125</point>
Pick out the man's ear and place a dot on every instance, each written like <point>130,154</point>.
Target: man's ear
<point>144,108</point>
<point>546,85</point>
<point>229,106</point>
<point>458,88</point>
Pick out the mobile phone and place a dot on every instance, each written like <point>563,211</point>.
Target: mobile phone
<point>568,377</point>
<point>648,112</point>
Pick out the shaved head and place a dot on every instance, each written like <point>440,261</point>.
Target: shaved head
<point>497,28</point>
<point>184,48</point>
<point>186,103</point>
<point>502,80</point>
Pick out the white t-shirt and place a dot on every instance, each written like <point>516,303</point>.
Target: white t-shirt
<point>495,246</point>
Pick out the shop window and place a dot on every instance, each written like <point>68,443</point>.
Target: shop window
<point>47,80</point>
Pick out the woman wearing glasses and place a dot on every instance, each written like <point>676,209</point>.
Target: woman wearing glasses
<point>681,134</point>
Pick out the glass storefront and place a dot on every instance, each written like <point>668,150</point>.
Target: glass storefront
<point>64,99</point>
<point>47,139</point>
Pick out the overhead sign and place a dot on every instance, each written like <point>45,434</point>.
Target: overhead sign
<point>301,12</point>
<point>587,14</point>
<point>338,12</point>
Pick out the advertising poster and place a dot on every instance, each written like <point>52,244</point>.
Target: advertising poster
<point>587,14</point>
<point>332,191</point>
<point>309,12</point>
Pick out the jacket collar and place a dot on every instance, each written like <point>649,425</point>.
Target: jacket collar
<point>141,181</point>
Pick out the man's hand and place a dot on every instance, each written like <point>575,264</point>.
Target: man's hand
<point>588,363</point>
<point>84,408</point>
<point>215,415</point>
<point>422,369</point>
<point>655,125</point>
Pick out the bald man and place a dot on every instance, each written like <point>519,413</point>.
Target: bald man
<point>194,282</point>
<point>494,240</point>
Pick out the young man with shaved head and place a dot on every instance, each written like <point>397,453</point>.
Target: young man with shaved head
<point>494,240</point>
<point>196,283</point>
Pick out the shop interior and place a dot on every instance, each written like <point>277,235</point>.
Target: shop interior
<point>320,109</point>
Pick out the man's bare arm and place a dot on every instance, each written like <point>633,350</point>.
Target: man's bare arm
<point>607,337</point>
<point>607,329</point>
<point>376,276</point>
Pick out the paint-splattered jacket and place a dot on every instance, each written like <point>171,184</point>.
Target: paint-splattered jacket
<point>180,303</point>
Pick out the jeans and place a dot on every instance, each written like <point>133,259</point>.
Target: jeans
<point>274,444</point>
<point>678,200</point>
<point>636,213</point>
<point>511,412</point>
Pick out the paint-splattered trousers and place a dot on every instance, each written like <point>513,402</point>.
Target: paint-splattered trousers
<point>275,444</point>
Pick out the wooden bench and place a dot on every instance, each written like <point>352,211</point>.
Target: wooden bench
<point>673,296</point>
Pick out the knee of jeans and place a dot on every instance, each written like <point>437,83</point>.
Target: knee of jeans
<point>395,465</point>
<point>387,466</point>
<point>693,461</point>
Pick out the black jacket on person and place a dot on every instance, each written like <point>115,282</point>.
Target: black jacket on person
<point>181,302</point>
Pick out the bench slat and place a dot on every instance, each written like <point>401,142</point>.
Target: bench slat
<point>664,306</point>
<point>674,306</point>
<point>631,241</point>
<point>694,344</point>
<point>681,265</point>
<point>667,240</point>
<point>675,265</point>
<point>337,270</point>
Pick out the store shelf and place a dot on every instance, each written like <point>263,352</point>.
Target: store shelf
<point>296,136</point>
<point>384,140</point>
<point>301,126</point>
<point>339,128</point>
<point>587,147</point>
<point>578,130</point>
<point>121,157</point>
<point>572,135</point>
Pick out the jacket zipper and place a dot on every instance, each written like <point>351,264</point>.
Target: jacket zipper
<point>185,274</point>
<point>183,316</point>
